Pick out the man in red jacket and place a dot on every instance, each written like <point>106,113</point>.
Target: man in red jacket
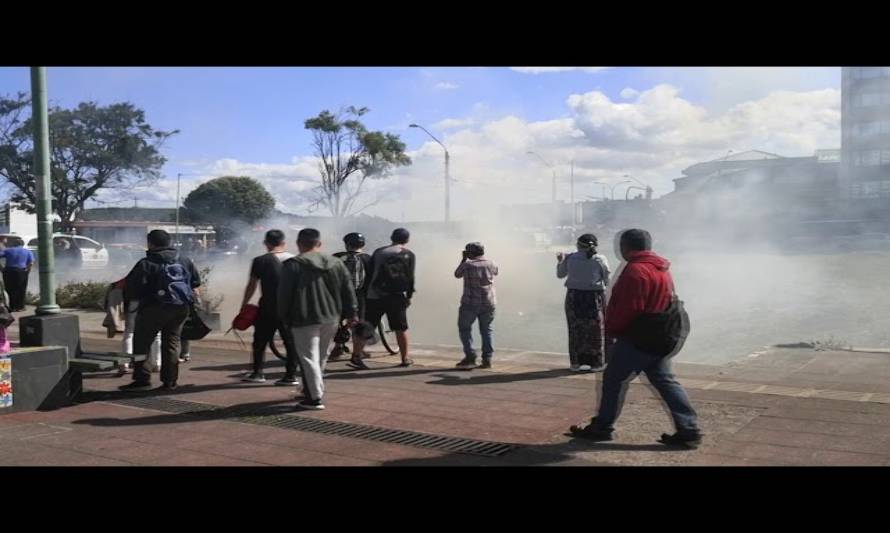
<point>645,286</point>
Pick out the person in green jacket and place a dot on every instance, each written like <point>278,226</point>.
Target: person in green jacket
<point>315,296</point>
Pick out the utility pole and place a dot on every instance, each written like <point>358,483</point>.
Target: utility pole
<point>45,257</point>
<point>447,173</point>
<point>572,193</point>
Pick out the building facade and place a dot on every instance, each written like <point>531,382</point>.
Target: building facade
<point>865,133</point>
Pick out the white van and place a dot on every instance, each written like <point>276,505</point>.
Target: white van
<point>94,254</point>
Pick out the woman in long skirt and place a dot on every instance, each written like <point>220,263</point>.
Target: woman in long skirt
<point>587,276</point>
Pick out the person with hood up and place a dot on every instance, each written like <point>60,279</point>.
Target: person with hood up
<point>315,296</point>
<point>166,286</point>
<point>645,286</point>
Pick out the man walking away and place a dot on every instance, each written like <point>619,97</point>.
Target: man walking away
<point>165,284</point>
<point>391,290</point>
<point>645,286</point>
<point>477,303</point>
<point>19,261</point>
<point>359,265</point>
<point>265,271</point>
<point>315,294</point>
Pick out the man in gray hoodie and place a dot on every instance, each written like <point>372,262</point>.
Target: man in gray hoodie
<point>315,295</point>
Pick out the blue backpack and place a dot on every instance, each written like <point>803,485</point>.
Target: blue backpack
<point>174,284</point>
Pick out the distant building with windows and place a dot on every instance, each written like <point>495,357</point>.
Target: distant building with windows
<point>865,133</point>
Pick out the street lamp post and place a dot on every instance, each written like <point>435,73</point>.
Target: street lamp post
<point>447,174</point>
<point>616,185</point>
<point>647,189</point>
<point>627,192</point>
<point>178,180</point>
<point>611,187</point>
<point>45,255</point>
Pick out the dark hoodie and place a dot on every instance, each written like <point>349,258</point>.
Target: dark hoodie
<point>644,286</point>
<point>315,289</point>
<point>140,281</point>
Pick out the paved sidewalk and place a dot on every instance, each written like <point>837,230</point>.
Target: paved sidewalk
<point>779,407</point>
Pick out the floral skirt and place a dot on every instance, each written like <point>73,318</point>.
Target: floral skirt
<point>585,319</point>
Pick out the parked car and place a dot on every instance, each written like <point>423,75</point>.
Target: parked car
<point>94,255</point>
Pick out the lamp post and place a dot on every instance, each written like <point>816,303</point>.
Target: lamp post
<point>45,257</point>
<point>627,192</point>
<point>611,187</point>
<point>447,175</point>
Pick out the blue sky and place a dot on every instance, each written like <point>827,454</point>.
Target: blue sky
<point>255,116</point>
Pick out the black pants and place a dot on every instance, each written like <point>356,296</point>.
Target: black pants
<point>264,331</point>
<point>16,282</point>
<point>168,319</point>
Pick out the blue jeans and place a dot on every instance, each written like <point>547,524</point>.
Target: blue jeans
<point>465,318</point>
<point>625,362</point>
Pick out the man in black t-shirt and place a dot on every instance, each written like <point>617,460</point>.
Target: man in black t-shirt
<point>265,271</point>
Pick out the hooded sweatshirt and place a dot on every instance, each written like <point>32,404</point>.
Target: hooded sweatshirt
<point>315,289</point>
<point>644,286</point>
<point>140,281</point>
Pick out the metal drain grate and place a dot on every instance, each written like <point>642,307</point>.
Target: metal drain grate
<point>253,415</point>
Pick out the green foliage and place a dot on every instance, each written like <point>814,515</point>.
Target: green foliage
<point>93,147</point>
<point>228,199</point>
<point>349,155</point>
<point>82,295</point>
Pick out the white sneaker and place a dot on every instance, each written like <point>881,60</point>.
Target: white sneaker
<point>585,368</point>
<point>575,368</point>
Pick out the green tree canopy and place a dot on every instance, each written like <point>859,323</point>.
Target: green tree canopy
<point>223,201</point>
<point>92,148</point>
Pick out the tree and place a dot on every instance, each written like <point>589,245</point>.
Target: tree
<point>349,155</point>
<point>91,148</point>
<point>223,201</point>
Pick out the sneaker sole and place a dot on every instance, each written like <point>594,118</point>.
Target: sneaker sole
<point>310,407</point>
<point>287,383</point>
<point>253,381</point>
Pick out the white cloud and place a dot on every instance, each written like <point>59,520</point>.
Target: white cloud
<point>446,86</point>
<point>629,93</point>
<point>549,70</point>
<point>651,134</point>
<point>451,123</point>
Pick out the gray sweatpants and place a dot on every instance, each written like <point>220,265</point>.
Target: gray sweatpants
<point>311,343</point>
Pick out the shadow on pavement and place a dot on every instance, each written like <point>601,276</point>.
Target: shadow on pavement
<point>487,379</point>
<point>556,454</point>
<point>105,396</point>
<point>273,407</point>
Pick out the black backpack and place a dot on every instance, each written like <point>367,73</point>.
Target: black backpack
<point>173,284</point>
<point>356,269</point>
<point>661,334</point>
<point>395,274</point>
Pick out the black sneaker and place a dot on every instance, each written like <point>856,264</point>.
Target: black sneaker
<point>135,386</point>
<point>486,363</point>
<point>312,405</point>
<point>690,440</point>
<point>358,364</point>
<point>254,377</point>
<point>466,363</point>
<point>591,433</point>
<point>288,381</point>
<point>337,353</point>
<point>168,386</point>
